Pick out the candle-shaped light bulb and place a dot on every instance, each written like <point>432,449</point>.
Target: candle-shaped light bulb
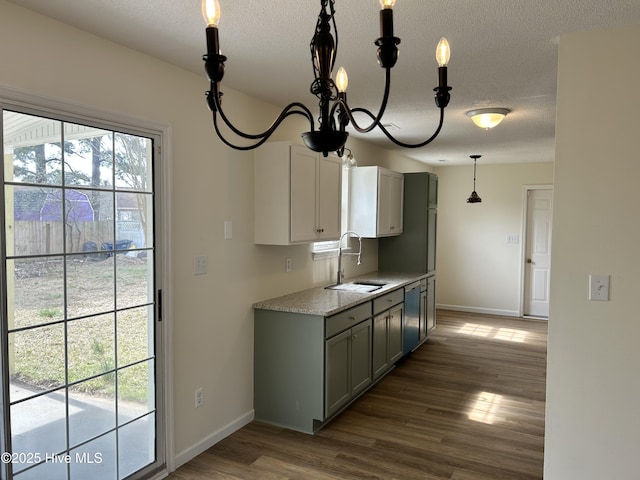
<point>342,80</point>
<point>386,18</point>
<point>211,12</point>
<point>443,52</point>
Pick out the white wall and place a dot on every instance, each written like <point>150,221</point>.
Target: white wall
<point>593,386</point>
<point>211,316</point>
<point>477,270</point>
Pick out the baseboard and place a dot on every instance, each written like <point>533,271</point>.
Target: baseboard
<point>208,442</point>
<point>486,311</point>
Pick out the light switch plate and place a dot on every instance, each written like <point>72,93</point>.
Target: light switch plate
<point>599,287</point>
<point>200,265</point>
<point>228,230</point>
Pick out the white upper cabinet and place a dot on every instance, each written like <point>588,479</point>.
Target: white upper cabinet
<point>375,202</point>
<point>297,195</point>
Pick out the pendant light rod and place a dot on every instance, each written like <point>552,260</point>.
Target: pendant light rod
<point>335,113</point>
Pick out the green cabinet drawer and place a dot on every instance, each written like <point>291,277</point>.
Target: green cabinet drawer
<point>387,301</point>
<point>346,319</point>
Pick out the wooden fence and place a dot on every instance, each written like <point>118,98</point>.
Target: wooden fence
<point>38,237</point>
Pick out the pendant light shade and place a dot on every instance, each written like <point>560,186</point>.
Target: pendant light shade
<point>474,198</point>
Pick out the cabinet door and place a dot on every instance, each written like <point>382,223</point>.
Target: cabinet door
<point>329,197</point>
<point>360,357</point>
<point>390,193</point>
<point>337,359</point>
<point>396,195</point>
<point>433,191</point>
<point>395,333</point>
<point>384,203</point>
<point>304,194</point>
<point>380,357</point>
<point>432,225</point>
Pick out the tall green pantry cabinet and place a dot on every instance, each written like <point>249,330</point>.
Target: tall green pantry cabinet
<point>415,250</point>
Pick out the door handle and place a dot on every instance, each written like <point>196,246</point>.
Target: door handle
<point>530,261</point>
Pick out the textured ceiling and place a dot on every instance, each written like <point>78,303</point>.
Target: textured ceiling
<point>504,54</point>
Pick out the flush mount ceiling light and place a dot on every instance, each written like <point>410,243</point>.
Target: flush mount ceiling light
<point>474,198</point>
<point>335,113</point>
<point>488,117</point>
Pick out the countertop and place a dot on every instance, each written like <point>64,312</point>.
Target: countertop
<point>325,302</point>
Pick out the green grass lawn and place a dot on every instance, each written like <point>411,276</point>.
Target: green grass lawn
<point>101,338</point>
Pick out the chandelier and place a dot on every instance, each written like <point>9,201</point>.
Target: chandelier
<point>335,114</point>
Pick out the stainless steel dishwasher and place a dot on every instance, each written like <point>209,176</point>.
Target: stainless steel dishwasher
<point>411,328</point>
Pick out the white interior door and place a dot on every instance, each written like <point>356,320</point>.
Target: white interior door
<point>538,252</point>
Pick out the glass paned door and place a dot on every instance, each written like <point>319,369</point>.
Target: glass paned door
<point>80,363</point>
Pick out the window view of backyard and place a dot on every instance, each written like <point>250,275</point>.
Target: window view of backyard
<point>78,299</point>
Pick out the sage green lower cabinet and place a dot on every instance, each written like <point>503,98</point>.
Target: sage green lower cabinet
<point>348,366</point>
<point>387,332</point>
<point>308,367</point>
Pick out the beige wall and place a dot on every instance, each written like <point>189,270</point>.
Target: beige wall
<point>477,269</point>
<point>593,387</point>
<point>211,316</point>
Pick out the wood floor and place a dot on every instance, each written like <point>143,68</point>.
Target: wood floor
<point>467,405</point>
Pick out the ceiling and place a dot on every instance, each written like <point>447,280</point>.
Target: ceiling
<point>504,54</point>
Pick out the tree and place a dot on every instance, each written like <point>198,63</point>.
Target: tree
<point>132,167</point>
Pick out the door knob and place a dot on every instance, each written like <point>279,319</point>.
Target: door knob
<point>530,261</point>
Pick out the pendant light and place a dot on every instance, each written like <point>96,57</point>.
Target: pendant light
<point>474,198</point>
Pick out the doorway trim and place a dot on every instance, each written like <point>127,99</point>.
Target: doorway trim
<point>42,104</point>
<point>523,244</point>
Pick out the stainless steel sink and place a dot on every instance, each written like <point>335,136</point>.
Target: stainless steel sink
<point>358,287</point>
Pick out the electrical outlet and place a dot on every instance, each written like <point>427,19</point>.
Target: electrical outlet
<point>287,264</point>
<point>199,397</point>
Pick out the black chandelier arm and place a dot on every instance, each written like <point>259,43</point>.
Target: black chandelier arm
<point>263,137</point>
<point>398,142</point>
<point>229,144</point>
<point>341,104</point>
<point>421,144</point>
<point>287,111</point>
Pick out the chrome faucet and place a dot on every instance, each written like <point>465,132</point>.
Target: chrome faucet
<point>340,253</point>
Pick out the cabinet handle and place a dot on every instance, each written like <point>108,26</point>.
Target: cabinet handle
<point>352,319</point>
<point>393,228</point>
<point>353,337</point>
